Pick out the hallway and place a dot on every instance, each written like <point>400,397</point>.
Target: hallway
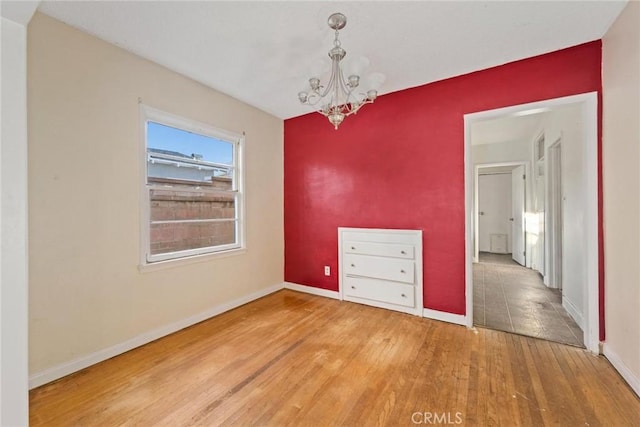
<point>512,298</point>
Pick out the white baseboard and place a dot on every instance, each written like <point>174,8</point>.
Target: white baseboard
<point>311,290</point>
<point>458,319</point>
<point>626,373</point>
<point>59,371</point>
<point>573,312</point>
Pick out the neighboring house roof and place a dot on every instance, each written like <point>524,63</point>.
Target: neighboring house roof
<point>169,152</point>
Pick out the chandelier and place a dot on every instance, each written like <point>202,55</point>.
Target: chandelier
<point>341,96</point>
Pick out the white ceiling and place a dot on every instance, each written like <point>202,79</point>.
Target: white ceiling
<point>505,129</point>
<point>515,127</point>
<point>262,52</point>
<point>18,11</point>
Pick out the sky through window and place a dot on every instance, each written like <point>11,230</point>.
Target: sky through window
<point>168,138</point>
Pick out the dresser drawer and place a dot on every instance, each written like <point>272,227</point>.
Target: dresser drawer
<point>398,270</point>
<point>379,290</point>
<point>379,249</point>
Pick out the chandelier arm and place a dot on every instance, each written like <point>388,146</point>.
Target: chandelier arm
<point>313,99</point>
<point>353,104</point>
<point>346,104</point>
<point>343,85</point>
<point>331,82</point>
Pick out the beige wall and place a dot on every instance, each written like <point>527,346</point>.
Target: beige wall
<point>86,293</point>
<point>621,166</point>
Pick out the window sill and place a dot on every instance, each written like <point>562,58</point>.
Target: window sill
<point>179,262</point>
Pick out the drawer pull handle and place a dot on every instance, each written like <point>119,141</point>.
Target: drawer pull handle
<point>403,295</point>
<point>402,271</point>
<point>353,287</point>
<point>353,248</point>
<point>353,265</point>
<point>402,252</point>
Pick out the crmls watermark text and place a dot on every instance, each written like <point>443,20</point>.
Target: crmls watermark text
<point>436,418</point>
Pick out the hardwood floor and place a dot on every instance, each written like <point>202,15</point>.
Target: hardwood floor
<point>297,359</point>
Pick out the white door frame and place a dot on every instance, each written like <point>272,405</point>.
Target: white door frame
<point>553,269</point>
<point>589,111</point>
<point>476,218</point>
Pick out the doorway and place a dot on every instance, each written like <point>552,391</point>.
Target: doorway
<point>507,295</point>
<point>582,262</point>
<point>499,216</point>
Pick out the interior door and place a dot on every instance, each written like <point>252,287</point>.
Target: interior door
<point>517,214</point>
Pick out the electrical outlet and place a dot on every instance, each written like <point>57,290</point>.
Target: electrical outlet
<point>327,270</point>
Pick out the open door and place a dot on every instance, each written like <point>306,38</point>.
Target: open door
<point>517,214</point>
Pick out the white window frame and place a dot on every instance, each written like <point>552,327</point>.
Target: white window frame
<point>149,114</point>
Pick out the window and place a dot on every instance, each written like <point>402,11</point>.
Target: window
<point>192,188</point>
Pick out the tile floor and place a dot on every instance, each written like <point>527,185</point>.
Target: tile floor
<point>512,298</point>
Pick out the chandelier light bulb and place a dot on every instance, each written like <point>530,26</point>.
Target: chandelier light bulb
<point>314,82</point>
<point>337,97</point>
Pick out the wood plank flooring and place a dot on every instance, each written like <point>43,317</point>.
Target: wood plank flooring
<point>301,360</point>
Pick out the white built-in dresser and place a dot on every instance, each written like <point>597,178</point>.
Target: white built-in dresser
<point>381,267</point>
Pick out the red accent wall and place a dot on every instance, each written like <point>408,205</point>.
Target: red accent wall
<point>400,164</point>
